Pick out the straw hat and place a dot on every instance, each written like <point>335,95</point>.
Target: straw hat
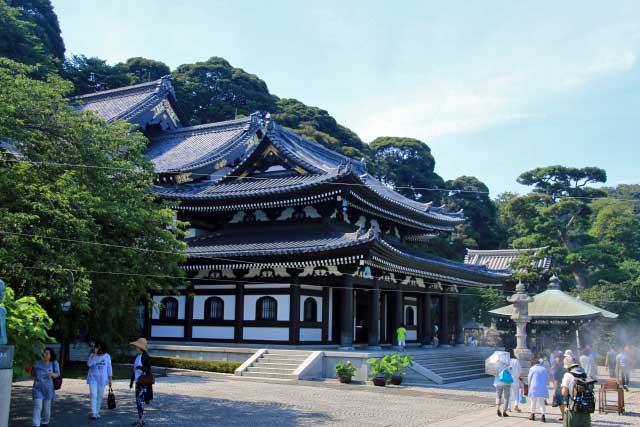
<point>141,343</point>
<point>568,353</point>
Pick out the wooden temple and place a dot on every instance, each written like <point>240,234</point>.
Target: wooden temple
<point>290,242</point>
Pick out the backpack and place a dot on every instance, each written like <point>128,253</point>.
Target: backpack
<point>505,377</point>
<point>584,400</point>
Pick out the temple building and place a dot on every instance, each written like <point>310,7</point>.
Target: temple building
<point>290,242</point>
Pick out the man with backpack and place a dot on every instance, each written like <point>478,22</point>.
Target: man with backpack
<point>578,391</point>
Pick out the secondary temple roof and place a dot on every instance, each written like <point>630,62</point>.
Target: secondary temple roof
<point>501,259</point>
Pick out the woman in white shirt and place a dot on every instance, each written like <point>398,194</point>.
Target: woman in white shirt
<point>100,374</point>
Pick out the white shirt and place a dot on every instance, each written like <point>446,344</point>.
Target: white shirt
<point>137,372</point>
<point>589,366</point>
<point>568,381</point>
<point>99,369</point>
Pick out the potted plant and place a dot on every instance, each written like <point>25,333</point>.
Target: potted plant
<point>397,366</point>
<point>379,372</point>
<point>344,371</point>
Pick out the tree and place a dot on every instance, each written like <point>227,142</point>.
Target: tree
<point>46,25</point>
<point>52,215</point>
<point>558,181</point>
<point>472,196</point>
<point>143,69</point>
<point>407,165</point>
<point>20,40</point>
<point>213,90</point>
<point>90,75</point>
<point>28,325</point>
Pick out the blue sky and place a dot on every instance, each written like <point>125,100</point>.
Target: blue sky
<point>494,88</point>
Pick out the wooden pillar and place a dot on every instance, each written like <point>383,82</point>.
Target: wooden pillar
<point>374,315</point>
<point>397,314</point>
<point>325,314</point>
<point>459,321</point>
<point>427,327</point>
<point>188,312</point>
<point>239,313</point>
<point>443,332</point>
<point>346,324</point>
<point>294,312</point>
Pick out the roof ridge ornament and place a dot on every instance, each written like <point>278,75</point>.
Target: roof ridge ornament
<point>554,283</point>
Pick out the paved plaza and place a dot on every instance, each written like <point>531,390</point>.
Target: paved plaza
<point>189,399</point>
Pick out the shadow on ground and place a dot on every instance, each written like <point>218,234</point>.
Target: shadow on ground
<point>71,410</point>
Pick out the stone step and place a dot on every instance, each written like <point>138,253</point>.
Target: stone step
<point>279,359</point>
<point>272,376</point>
<point>456,365</point>
<point>428,359</point>
<point>454,374</point>
<point>289,352</point>
<point>463,378</point>
<point>261,370</point>
<point>262,364</point>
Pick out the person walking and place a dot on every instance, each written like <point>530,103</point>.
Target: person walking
<point>141,366</point>
<point>557,373</point>
<point>100,374</point>
<point>516,371</point>
<point>610,361</point>
<point>502,382</point>
<point>402,337</point>
<point>43,373</point>
<point>571,418</point>
<point>538,391</point>
<point>588,363</point>
<point>623,367</point>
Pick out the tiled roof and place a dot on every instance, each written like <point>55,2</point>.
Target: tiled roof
<point>123,103</point>
<point>247,187</point>
<point>279,239</point>
<point>501,259</point>
<point>190,147</point>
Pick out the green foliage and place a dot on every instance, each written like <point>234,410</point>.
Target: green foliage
<point>27,328</point>
<point>41,204</point>
<point>397,363</point>
<point>345,369</point>
<point>196,364</point>
<point>478,302</point>
<point>143,69</point>
<point>406,164</point>
<point>379,368</point>
<point>558,181</point>
<point>90,75</point>
<point>28,34</point>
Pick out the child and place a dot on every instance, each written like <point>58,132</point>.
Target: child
<point>402,336</point>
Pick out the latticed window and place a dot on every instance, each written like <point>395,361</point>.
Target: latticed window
<point>409,318</point>
<point>266,308</point>
<point>169,308</point>
<point>214,308</point>
<point>310,310</point>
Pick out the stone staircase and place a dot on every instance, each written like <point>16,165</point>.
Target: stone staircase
<point>455,364</point>
<point>276,364</point>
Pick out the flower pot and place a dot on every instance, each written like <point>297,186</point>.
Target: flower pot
<point>344,379</point>
<point>379,381</point>
<point>396,380</point>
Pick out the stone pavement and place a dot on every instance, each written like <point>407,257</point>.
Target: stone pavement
<point>190,399</point>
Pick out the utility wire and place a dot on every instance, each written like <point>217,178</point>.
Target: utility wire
<point>346,184</point>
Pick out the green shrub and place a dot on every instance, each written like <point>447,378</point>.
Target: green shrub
<point>345,369</point>
<point>195,364</point>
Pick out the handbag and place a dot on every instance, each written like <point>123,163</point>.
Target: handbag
<point>111,399</point>
<point>523,399</point>
<point>57,383</point>
<point>146,380</point>
<point>505,377</point>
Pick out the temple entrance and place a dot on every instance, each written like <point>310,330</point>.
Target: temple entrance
<point>362,316</point>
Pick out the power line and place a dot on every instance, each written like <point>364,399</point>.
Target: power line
<point>345,184</point>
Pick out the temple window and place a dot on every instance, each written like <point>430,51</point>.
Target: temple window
<point>266,308</point>
<point>169,310</point>
<point>214,308</point>
<point>310,310</point>
<point>409,317</point>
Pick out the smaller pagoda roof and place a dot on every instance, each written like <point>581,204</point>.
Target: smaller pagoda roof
<point>556,304</point>
<point>501,259</point>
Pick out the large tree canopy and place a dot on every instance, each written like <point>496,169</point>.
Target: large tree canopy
<point>558,181</point>
<point>49,211</point>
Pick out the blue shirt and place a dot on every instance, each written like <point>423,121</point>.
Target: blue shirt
<point>538,381</point>
<point>42,384</point>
